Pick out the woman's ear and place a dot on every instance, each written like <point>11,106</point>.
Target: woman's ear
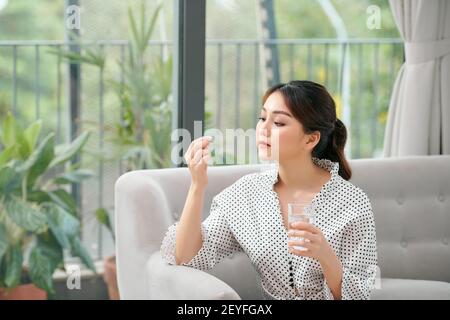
<point>312,139</point>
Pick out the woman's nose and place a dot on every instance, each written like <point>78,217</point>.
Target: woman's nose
<point>264,131</point>
<point>264,126</point>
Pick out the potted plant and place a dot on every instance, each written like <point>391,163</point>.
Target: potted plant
<point>109,263</point>
<point>39,219</point>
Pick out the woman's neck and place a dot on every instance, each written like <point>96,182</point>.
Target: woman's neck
<point>301,174</point>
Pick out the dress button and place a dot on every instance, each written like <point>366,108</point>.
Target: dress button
<point>291,280</point>
<point>441,197</point>
<point>291,285</point>
<point>403,243</point>
<point>400,199</point>
<point>290,268</point>
<point>445,241</point>
<point>290,262</point>
<point>291,274</point>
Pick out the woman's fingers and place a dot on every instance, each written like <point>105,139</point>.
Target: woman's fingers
<point>197,144</point>
<point>302,243</point>
<point>188,153</point>
<point>205,156</point>
<point>301,225</point>
<point>303,234</point>
<point>199,155</point>
<point>307,252</point>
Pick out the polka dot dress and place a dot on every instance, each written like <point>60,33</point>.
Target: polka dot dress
<point>246,217</point>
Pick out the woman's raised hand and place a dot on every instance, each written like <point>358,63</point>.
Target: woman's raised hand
<point>197,157</point>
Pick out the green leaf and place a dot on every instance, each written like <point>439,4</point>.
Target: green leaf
<point>9,180</point>
<point>51,249</point>
<point>62,198</point>
<point>80,251</point>
<point>151,27</point>
<point>38,196</point>
<point>62,224</point>
<point>103,218</point>
<point>40,155</point>
<point>7,154</point>
<point>24,215</point>
<point>3,241</point>
<point>142,23</point>
<point>22,145</point>
<point>2,273</point>
<point>32,133</point>
<point>95,58</point>
<point>76,176</point>
<point>44,155</point>
<point>67,152</point>
<point>132,24</point>
<point>9,130</point>
<point>13,135</point>
<point>13,262</point>
<point>40,270</point>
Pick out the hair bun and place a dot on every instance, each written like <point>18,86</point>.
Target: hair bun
<point>338,124</point>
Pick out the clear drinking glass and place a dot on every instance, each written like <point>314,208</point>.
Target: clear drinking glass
<point>300,211</point>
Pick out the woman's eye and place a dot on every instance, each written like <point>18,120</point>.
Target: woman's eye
<point>278,124</point>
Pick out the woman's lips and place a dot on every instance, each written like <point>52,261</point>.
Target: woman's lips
<point>263,144</point>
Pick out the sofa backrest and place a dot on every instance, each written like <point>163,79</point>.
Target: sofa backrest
<point>410,197</point>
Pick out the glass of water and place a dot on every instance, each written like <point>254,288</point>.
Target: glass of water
<point>300,211</point>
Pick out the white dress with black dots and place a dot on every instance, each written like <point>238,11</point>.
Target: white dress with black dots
<point>246,217</point>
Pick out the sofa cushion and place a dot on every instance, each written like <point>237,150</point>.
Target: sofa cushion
<point>409,289</point>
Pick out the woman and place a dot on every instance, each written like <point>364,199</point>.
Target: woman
<point>297,129</point>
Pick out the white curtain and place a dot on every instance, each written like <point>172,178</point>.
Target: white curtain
<point>419,112</point>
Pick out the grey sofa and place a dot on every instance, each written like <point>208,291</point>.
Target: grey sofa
<point>410,197</point>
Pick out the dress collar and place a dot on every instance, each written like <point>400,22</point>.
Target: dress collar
<point>333,167</point>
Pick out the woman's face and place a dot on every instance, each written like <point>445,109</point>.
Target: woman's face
<point>283,133</point>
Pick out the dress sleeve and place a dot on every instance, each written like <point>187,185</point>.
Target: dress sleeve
<point>218,240</point>
<point>358,256</point>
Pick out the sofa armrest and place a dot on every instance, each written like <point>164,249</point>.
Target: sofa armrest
<point>142,215</point>
<point>174,282</point>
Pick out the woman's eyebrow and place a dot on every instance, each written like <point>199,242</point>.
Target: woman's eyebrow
<point>280,112</point>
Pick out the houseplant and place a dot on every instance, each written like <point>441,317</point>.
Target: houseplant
<point>39,219</point>
<point>109,263</point>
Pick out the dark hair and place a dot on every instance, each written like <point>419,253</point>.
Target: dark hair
<point>313,106</point>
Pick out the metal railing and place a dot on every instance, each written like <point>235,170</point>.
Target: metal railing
<point>29,74</point>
